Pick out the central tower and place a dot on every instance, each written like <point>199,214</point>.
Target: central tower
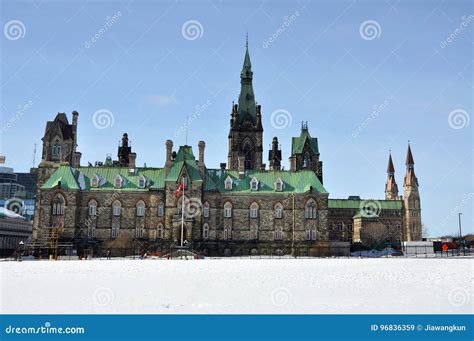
<point>246,130</point>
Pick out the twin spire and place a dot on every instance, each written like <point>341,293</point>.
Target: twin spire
<point>391,187</point>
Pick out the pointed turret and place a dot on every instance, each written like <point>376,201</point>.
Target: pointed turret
<point>391,187</point>
<point>247,105</point>
<point>411,198</point>
<point>410,177</point>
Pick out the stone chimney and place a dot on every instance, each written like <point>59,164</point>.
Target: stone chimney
<point>132,157</point>
<point>76,159</point>
<point>201,166</point>
<point>169,152</point>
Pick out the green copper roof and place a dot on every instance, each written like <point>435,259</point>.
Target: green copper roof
<point>247,105</point>
<point>356,204</point>
<point>80,178</point>
<point>294,182</point>
<point>298,143</point>
<point>184,160</point>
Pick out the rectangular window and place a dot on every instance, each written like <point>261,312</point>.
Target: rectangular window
<point>115,232</point>
<point>140,211</point>
<point>161,210</point>
<point>308,234</point>
<point>227,212</point>
<point>253,212</point>
<point>206,211</point>
<point>117,211</point>
<point>92,210</point>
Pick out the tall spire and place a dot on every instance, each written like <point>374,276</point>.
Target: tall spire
<point>390,167</point>
<point>409,161</point>
<point>247,105</point>
<point>391,187</point>
<point>410,177</point>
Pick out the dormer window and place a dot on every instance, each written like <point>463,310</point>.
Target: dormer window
<point>254,184</point>
<point>278,185</point>
<point>228,183</point>
<point>118,183</point>
<point>142,182</point>
<point>95,181</point>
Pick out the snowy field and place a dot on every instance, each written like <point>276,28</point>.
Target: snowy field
<point>307,286</point>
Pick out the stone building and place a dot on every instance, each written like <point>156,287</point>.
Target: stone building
<point>240,208</point>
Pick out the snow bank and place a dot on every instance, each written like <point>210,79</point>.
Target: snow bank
<point>312,286</point>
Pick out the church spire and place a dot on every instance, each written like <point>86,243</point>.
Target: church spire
<point>391,187</point>
<point>410,177</point>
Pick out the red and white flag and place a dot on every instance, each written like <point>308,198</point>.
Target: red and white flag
<point>180,188</point>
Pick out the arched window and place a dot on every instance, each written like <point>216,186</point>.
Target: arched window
<point>254,210</point>
<point>56,150</point>
<point>306,160</point>
<point>227,210</point>
<point>92,208</point>
<point>161,231</point>
<point>205,212</point>
<point>247,151</point>
<point>278,211</point>
<point>140,209</point>
<point>205,231</point>
<point>58,205</point>
<point>161,209</point>
<point>310,211</point>
<point>117,208</point>
<point>310,233</point>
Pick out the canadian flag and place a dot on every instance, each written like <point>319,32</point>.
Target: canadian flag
<point>180,188</point>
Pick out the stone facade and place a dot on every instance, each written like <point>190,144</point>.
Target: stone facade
<point>240,209</point>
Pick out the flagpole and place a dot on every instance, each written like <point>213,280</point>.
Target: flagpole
<point>182,213</point>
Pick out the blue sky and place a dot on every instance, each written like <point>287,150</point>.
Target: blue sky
<point>367,76</point>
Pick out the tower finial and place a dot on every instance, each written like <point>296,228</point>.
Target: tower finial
<point>247,40</point>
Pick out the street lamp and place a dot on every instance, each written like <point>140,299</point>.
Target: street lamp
<point>460,231</point>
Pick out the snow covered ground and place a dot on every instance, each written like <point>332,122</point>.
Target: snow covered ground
<point>308,286</point>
